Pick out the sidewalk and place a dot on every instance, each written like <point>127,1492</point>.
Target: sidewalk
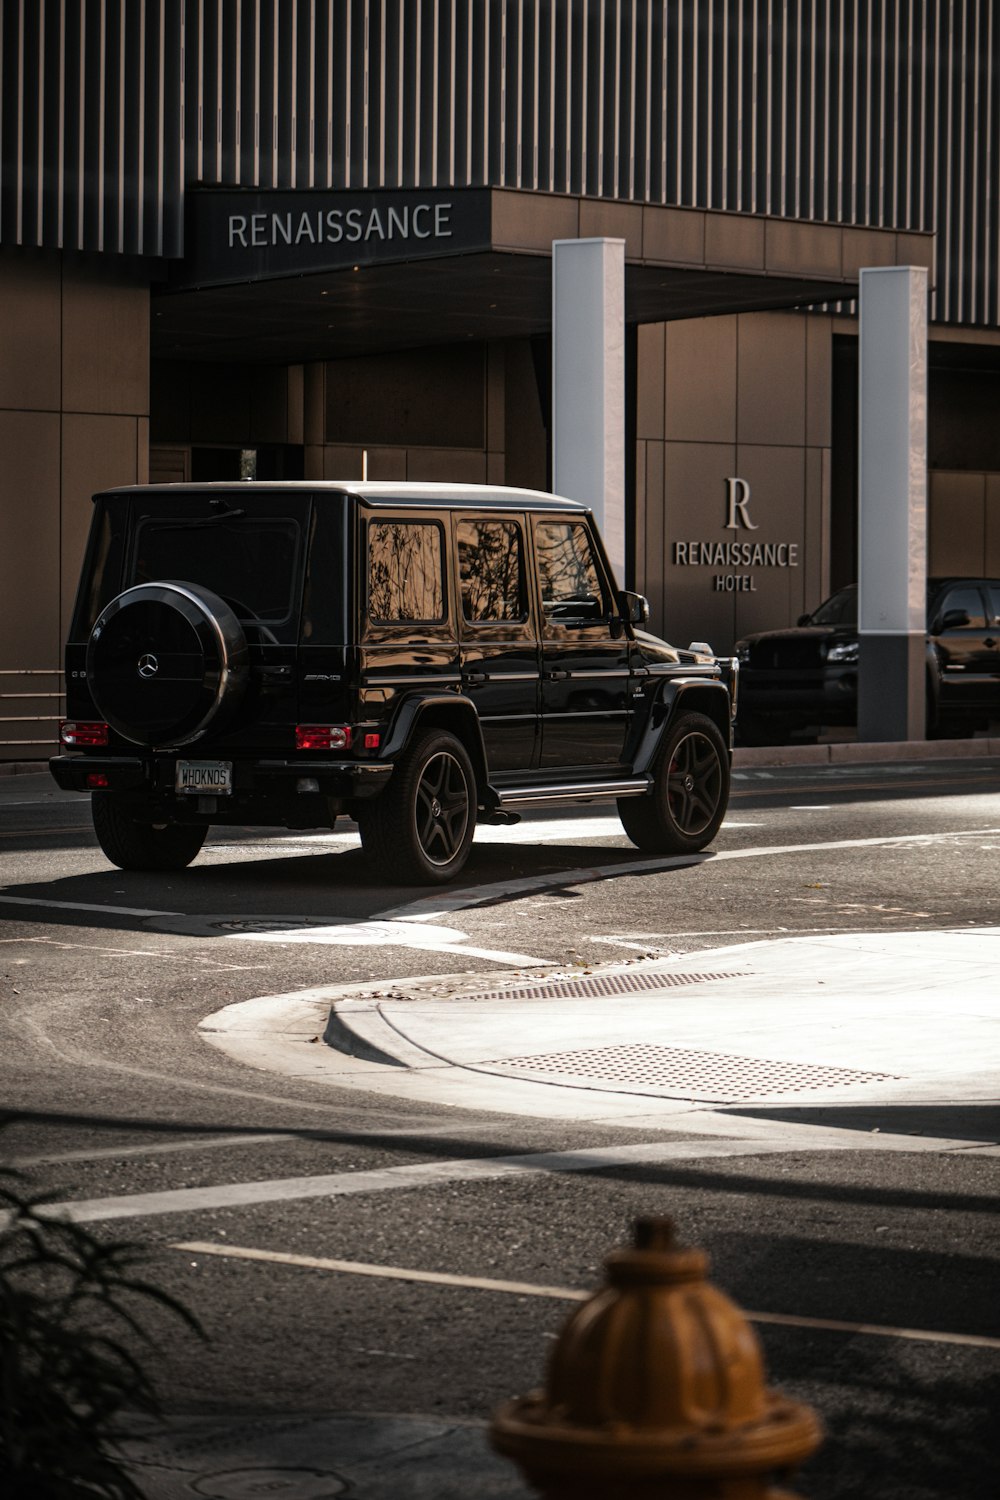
<point>313,1456</point>
<point>887,1021</point>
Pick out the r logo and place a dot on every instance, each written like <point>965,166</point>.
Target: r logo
<point>738,494</point>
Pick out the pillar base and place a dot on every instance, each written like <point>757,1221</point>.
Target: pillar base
<point>892,686</point>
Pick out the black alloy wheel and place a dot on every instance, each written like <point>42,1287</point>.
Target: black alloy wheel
<point>419,830</point>
<point>690,793</point>
<point>442,808</point>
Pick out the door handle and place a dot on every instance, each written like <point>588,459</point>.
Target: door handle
<point>474,677</point>
<point>557,675</point>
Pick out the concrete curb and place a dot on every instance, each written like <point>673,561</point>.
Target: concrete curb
<point>853,752</point>
<point>22,767</point>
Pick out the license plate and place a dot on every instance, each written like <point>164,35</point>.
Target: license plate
<point>208,778</point>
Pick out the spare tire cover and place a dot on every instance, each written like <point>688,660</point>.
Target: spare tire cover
<point>166,661</point>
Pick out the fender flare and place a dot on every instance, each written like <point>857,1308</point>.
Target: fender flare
<point>694,694</point>
<point>415,711</point>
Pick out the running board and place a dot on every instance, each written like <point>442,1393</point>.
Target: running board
<point>575,791</point>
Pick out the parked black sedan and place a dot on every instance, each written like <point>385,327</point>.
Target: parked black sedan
<point>796,682</point>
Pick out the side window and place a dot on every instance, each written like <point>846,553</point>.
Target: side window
<point>491,571</point>
<point>962,601</point>
<point>570,583</point>
<point>405,572</point>
<point>994,593</point>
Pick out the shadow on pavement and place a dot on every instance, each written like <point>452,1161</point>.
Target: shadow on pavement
<point>962,1122</point>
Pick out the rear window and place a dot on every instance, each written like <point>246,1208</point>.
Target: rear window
<point>251,562</point>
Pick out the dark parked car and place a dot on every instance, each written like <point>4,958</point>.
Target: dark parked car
<point>418,657</point>
<point>800,680</point>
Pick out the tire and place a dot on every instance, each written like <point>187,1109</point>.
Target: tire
<point>687,804</point>
<point>133,844</point>
<point>166,661</point>
<point>419,830</point>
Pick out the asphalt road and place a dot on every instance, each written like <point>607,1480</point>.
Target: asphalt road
<point>105,977</point>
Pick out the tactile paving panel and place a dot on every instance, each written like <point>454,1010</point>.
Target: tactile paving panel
<point>690,1073</point>
<point>601,984</point>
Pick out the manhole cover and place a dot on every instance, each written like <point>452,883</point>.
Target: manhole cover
<point>601,984</point>
<point>262,924</point>
<point>688,1072</point>
<point>269,1484</point>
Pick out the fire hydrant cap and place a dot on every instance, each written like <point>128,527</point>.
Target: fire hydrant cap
<point>658,1372</point>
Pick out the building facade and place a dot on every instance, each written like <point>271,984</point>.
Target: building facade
<point>299,237</point>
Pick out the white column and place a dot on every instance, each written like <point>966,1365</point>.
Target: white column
<point>588,382</point>
<point>892,528</point>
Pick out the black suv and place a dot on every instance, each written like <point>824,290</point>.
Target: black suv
<point>418,657</point>
<point>806,677</point>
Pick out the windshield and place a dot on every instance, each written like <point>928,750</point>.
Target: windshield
<point>840,609</point>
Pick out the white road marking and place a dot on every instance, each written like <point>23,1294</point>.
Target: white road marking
<point>413,1175</point>
<point>331,1136</point>
<point>440,906</point>
<point>151,1148</point>
<point>391,1273</point>
<point>44,832</point>
<point>93,948</point>
<point>877,1330</point>
<point>559,1293</point>
<point>538,831</point>
<point>380,934</point>
<point>40,802</point>
<point>117,911</point>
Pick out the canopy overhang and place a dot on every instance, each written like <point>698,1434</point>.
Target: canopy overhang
<point>288,277</point>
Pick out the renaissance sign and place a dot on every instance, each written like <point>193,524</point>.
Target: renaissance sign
<point>356,226</point>
<point>736,554</point>
<point>255,236</point>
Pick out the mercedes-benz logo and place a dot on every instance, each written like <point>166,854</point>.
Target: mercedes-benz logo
<point>148,666</point>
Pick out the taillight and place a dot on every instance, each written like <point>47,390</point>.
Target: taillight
<point>95,780</point>
<point>71,732</point>
<point>322,737</point>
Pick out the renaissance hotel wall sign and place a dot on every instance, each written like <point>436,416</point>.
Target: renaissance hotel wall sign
<point>739,552</point>
<point>254,236</point>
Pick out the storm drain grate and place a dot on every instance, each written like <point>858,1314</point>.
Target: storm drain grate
<point>601,984</point>
<point>688,1071</point>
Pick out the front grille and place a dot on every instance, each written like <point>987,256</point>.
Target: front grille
<point>796,653</point>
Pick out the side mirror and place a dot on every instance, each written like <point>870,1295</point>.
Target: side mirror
<point>955,619</point>
<point>634,607</point>
<point>803,620</point>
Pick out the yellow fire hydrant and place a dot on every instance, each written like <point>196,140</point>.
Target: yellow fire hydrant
<point>655,1391</point>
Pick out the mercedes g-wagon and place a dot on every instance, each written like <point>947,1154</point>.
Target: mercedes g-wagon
<point>420,658</point>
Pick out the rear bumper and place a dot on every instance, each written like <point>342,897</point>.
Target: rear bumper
<point>252,777</point>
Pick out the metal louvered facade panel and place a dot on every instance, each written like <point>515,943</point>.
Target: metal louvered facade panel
<point>91,125</point>
<point>881,113</point>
